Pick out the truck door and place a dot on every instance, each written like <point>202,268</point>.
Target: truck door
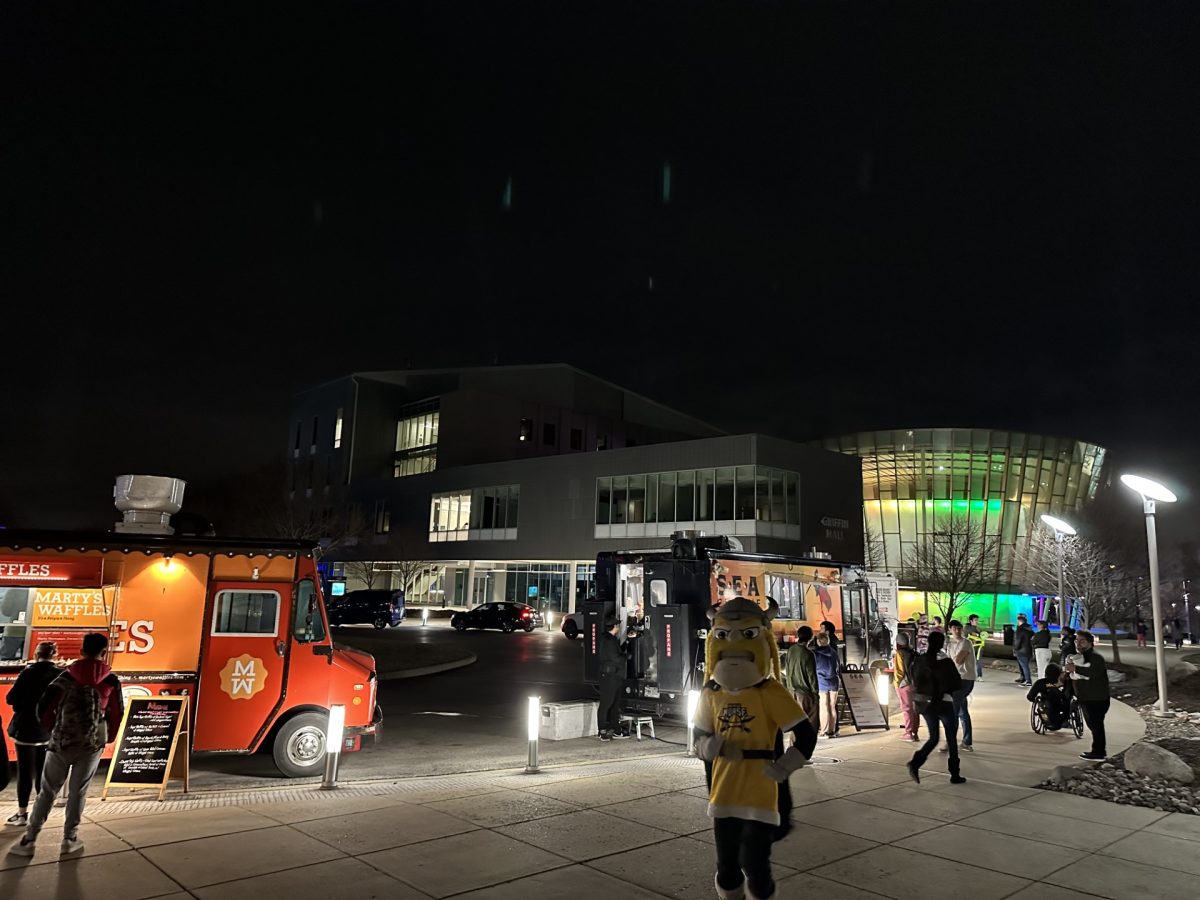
<point>242,675</point>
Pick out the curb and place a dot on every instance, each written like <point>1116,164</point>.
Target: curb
<point>429,670</point>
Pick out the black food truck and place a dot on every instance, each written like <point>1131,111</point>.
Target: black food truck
<point>664,595</point>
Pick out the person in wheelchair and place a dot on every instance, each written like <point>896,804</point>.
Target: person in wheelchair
<point>1054,696</point>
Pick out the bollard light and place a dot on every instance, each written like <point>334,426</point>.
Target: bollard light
<point>693,701</point>
<point>333,745</point>
<point>882,690</point>
<point>533,714</point>
<point>424,616</point>
<point>549,621</point>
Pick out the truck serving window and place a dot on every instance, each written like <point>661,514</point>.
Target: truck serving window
<point>246,612</point>
<point>307,624</point>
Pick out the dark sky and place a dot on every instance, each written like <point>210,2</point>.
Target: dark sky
<point>970,215</point>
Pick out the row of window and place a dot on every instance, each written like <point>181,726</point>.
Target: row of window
<point>417,440</point>
<point>488,513</point>
<point>316,427</point>
<point>756,493</point>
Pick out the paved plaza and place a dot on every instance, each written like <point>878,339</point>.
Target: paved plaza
<point>636,828</point>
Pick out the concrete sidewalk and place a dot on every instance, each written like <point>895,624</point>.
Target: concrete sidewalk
<point>636,828</point>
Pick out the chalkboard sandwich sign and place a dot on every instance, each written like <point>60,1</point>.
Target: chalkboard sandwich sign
<point>152,746</point>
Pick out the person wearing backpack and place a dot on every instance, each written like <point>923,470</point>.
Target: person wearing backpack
<point>936,681</point>
<point>26,729</point>
<point>82,708</point>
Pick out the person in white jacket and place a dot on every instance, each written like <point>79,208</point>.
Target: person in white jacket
<point>960,649</point>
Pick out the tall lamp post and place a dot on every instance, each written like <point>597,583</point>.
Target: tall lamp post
<point>1061,530</point>
<point>1151,491</point>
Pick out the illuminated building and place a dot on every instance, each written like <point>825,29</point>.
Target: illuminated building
<point>1001,480</point>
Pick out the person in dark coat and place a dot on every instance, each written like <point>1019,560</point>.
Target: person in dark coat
<point>1023,649</point>
<point>936,682</point>
<point>613,664</point>
<point>29,735</point>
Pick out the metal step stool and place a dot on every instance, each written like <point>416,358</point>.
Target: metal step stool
<point>636,723</point>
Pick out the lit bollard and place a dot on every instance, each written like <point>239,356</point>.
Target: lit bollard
<point>333,745</point>
<point>549,621</point>
<point>693,701</point>
<point>882,692</point>
<point>424,616</point>
<point>535,709</point>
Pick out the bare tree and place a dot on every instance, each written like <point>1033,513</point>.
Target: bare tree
<point>951,561</point>
<point>1094,575</point>
<point>364,570</point>
<point>873,555</point>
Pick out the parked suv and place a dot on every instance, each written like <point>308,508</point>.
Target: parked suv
<point>378,608</point>
<point>505,616</point>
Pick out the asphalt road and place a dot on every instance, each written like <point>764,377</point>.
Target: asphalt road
<point>464,720</point>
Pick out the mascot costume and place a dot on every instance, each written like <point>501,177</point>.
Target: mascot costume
<point>743,711</point>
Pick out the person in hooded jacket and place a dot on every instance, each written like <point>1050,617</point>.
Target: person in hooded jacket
<point>82,708</point>
<point>936,681</point>
<point>29,736</point>
<point>827,682</point>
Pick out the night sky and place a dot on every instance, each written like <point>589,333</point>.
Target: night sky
<point>970,216</point>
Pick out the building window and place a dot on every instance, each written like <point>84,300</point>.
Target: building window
<point>487,513</point>
<point>417,440</point>
<point>576,438</point>
<point>313,447</point>
<point>549,434</point>
<point>383,517</point>
<point>526,433</point>
<point>296,448</point>
<point>337,430</point>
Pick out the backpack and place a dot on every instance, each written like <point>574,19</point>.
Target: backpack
<point>79,723</point>
<point>921,676</point>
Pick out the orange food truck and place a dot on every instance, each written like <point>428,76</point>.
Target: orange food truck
<point>237,625</point>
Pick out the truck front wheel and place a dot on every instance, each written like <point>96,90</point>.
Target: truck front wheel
<point>299,748</point>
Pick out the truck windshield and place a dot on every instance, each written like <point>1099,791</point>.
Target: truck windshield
<point>307,623</point>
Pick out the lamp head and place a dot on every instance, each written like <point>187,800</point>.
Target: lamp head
<point>1150,490</point>
<point>1059,525</point>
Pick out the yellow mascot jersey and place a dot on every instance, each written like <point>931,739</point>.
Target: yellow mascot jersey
<point>747,719</point>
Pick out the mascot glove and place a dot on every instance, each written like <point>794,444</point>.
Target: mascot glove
<point>709,746</point>
<point>779,770</point>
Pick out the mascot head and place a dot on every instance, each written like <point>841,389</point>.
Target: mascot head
<point>740,650</point>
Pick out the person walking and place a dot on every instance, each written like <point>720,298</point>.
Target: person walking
<point>800,675</point>
<point>977,638</point>
<point>84,704</point>
<point>29,735</point>
<point>1140,629</point>
<point>827,682</point>
<point>936,681</point>
<point>1177,633</point>
<point>1089,679</point>
<point>1023,649</point>
<point>962,653</point>
<point>902,661</point>
<point>613,663</point>
<point>1041,647</point>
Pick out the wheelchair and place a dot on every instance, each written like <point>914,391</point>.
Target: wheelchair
<point>1039,717</point>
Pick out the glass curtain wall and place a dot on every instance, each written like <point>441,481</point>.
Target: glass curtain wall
<point>756,493</point>
<point>1001,481</point>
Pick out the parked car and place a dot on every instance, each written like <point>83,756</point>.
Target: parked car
<point>380,608</point>
<point>505,616</point>
<point>572,625</point>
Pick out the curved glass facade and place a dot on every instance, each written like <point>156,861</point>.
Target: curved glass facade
<point>1002,480</point>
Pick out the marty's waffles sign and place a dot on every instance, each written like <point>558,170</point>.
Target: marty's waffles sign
<point>74,609</point>
<point>243,677</point>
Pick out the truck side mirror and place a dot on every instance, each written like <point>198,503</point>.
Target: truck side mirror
<point>325,650</point>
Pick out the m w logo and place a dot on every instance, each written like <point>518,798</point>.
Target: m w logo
<point>243,676</point>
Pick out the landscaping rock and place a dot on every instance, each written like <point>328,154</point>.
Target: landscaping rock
<point>1180,671</point>
<point>1063,774</point>
<point>1151,760</point>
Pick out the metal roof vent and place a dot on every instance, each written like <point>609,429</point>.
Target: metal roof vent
<point>147,503</point>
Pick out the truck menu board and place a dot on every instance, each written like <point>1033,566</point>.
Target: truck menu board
<point>858,688</point>
<point>148,751</point>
